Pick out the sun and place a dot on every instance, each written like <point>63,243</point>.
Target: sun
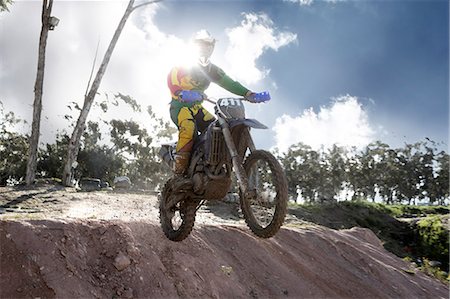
<point>184,55</point>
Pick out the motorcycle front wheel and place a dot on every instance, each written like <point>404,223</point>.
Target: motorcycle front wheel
<point>265,205</point>
<point>176,221</point>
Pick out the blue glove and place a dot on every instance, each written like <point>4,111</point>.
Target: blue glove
<point>191,96</point>
<point>260,97</point>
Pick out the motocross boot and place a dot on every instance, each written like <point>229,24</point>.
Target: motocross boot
<point>181,163</point>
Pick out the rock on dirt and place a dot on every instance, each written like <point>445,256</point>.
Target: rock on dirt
<point>106,245</point>
<point>121,262</point>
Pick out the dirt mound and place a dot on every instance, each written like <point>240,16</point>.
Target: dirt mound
<point>56,242</point>
<point>133,259</point>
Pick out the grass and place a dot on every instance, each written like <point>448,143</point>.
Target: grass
<point>434,271</point>
<point>434,238</point>
<point>411,211</point>
<point>425,238</point>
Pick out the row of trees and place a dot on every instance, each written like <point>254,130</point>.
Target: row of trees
<point>406,174</point>
<point>123,147</point>
<point>417,171</point>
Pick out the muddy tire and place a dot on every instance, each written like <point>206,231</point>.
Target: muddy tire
<point>265,209</point>
<point>176,222</point>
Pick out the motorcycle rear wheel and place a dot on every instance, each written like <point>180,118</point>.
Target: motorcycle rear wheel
<point>265,209</point>
<point>176,222</point>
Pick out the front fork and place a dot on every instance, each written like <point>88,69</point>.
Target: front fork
<point>235,158</point>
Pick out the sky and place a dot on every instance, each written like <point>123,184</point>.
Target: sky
<point>339,72</point>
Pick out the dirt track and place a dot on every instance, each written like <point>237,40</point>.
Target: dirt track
<point>64,244</point>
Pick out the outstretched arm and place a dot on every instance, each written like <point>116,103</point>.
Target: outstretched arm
<point>219,77</point>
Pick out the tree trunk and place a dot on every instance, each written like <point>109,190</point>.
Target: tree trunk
<point>74,144</point>
<point>38,87</point>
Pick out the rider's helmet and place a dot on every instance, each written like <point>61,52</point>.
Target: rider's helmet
<point>204,44</point>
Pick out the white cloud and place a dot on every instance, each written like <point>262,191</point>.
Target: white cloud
<point>344,123</point>
<point>248,41</point>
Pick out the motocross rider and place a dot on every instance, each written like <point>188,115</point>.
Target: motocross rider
<point>191,117</point>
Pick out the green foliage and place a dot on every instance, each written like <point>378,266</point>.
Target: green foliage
<point>125,148</point>
<point>129,101</point>
<point>4,5</point>
<point>91,136</point>
<point>128,136</point>
<point>434,271</point>
<point>395,234</point>
<point>439,188</point>
<point>13,149</point>
<point>434,238</point>
<point>333,173</point>
<point>13,152</point>
<point>51,159</point>
<point>134,144</point>
<point>99,162</point>
<point>427,241</point>
<point>402,175</point>
<point>303,170</point>
<point>414,211</point>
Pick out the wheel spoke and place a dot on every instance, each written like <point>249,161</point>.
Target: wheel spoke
<point>260,180</point>
<point>264,208</point>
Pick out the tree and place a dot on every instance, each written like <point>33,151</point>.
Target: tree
<point>438,182</point>
<point>303,170</point>
<point>50,163</point>
<point>442,179</point>
<point>389,173</point>
<point>415,172</point>
<point>334,172</point>
<point>425,170</point>
<point>4,5</point>
<point>410,175</point>
<point>289,164</point>
<point>13,149</point>
<point>138,148</point>
<point>38,87</point>
<point>99,162</point>
<point>74,143</point>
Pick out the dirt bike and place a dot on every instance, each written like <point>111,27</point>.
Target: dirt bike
<point>218,153</point>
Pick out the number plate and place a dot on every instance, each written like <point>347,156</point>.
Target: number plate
<point>229,102</point>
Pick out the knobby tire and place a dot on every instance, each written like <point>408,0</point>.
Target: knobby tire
<point>280,182</point>
<point>186,207</point>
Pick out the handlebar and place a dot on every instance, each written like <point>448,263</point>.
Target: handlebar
<point>191,96</point>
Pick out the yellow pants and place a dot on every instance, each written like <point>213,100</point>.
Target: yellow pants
<point>189,121</point>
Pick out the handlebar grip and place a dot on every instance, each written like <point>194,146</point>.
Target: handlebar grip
<point>259,97</point>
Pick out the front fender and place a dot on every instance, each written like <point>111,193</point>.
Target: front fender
<point>248,122</point>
